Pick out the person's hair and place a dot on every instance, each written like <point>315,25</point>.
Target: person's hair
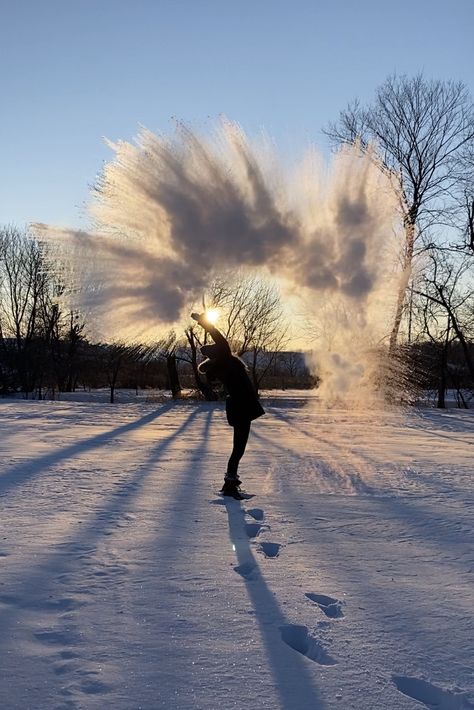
<point>205,366</point>
<point>215,368</point>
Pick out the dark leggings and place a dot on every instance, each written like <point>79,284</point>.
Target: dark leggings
<point>241,436</point>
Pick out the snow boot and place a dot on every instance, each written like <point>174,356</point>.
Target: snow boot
<point>231,488</point>
<point>232,479</point>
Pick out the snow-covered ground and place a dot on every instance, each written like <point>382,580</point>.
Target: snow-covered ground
<point>127,582</point>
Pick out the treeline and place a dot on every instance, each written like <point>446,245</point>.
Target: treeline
<point>420,133</point>
<point>44,348</point>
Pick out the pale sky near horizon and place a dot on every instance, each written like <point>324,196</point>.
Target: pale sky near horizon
<point>74,72</point>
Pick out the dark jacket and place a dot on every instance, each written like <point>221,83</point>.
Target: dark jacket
<point>242,403</point>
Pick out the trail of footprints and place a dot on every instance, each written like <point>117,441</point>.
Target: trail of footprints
<point>65,638</point>
<point>299,638</point>
<point>86,574</point>
<point>81,572</point>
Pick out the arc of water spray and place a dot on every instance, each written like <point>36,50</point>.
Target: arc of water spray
<point>171,211</point>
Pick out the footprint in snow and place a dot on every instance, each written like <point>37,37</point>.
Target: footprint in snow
<point>38,603</point>
<point>57,638</point>
<point>93,687</point>
<point>68,655</point>
<point>299,639</point>
<point>256,514</point>
<point>269,549</point>
<point>430,695</point>
<point>330,606</point>
<point>252,529</point>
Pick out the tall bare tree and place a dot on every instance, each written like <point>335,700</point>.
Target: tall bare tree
<point>39,335</point>
<point>465,195</point>
<point>417,127</point>
<point>24,280</point>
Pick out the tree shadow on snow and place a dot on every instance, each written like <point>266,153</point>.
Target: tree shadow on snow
<point>31,468</point>
<point>99,524</point>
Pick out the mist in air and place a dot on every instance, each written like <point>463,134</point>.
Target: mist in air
<point>170,212</point>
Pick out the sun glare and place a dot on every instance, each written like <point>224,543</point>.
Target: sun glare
<point>212,315</point>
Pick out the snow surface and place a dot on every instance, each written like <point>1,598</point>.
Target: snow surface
<point>128,583</point>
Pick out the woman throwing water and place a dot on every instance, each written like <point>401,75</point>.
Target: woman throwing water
<point>242,405</point>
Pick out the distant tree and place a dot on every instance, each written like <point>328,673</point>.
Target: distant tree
<point>437,327</point>
<point>292,369</point>
<point>252,319</point>
<point>417,127</point>
<point>40,335</point>
<point>115,356</point>
<point>465,195</point>
<point>191,355</point>
<point>446,307</point>
<point>24,281</point>
<point>167,348</point>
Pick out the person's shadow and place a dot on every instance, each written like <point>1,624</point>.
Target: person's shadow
<point>292,677</point>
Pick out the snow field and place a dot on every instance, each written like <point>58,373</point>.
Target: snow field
<point>128,583</point>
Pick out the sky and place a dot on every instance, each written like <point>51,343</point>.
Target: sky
<point>72,73</point>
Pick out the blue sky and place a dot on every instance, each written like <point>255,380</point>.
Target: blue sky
<point>73,72</point>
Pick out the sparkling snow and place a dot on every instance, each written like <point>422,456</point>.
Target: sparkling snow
<point>128,583</point>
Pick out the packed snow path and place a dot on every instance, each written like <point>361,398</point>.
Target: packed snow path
<point>128,583</point>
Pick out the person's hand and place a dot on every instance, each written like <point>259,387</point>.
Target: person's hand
<point>199,318</point>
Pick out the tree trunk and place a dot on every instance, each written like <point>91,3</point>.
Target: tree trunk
<point>204,387</point>
<point>254,372</point>
<point>443,370</point>
<point>459,333</point>
<point>410,224</point>
<point>442,378</point>
<point>173,376</point>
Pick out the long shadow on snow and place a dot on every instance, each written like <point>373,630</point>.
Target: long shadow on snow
<point>329,474</point>
<point>166,545</point>
<point>383,605</point>
<point>447,419</point>
<point>410,516</point>
<point>31,468</point>
<point>424,523</point>
<point>292,680</point>
<point>362,458</point>
<point>169,537</point>
<point>411,512</point>
<point>416,519</point>
<point>40,578</point>
<point>440,435</point>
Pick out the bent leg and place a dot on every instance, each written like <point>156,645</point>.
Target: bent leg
<point>241,435</point>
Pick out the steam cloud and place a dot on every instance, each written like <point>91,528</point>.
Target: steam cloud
<point>171,211</point>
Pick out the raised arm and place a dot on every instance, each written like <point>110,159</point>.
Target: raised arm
<point>215,334</point>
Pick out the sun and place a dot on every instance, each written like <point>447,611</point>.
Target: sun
<point>212,315</point>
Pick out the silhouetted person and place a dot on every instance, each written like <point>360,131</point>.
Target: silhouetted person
<point>242,405</point>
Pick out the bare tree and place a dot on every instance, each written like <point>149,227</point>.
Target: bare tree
<point>447,295</point>
<point>436,326</point>
<point>464,170</point>
<point>417,127</point>
<point>252,319</point>
<point>168,349</point>
<point>202,383</point>
<point>115,356</point>
<point>24,281</point>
